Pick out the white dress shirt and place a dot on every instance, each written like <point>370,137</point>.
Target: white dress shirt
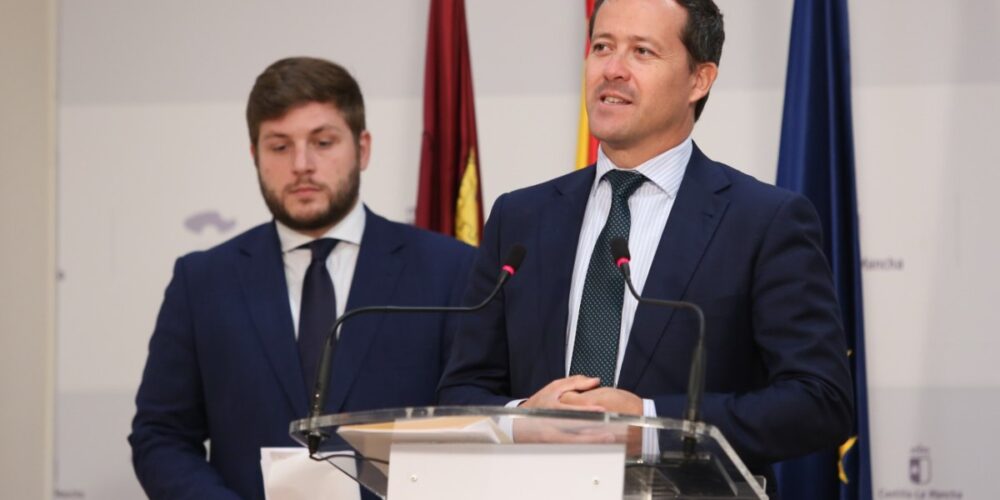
<point>649,207</point>
<point>340,263</point>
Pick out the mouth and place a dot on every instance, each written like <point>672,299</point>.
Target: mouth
<point>614,100</point>
<point>304,189</point>
<point>612,96</point>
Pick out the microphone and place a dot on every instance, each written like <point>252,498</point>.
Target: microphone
<point>696,378</point>
<point>509,267</point>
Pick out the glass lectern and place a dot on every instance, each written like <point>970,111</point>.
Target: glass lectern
<point>494,452</point>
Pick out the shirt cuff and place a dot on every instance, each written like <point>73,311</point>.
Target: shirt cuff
<point>648,408</point>
<point>650,441</point>
<point>506,424</point>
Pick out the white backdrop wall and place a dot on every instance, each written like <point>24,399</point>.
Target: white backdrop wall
<point>154,163</point>
<point>927,87</point>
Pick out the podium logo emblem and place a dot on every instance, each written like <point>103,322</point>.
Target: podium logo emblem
<point>920,465</point>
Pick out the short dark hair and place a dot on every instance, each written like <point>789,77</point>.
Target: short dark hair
<point>295,81</point>
<point>703,36</point>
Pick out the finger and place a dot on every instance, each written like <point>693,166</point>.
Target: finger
<point>571,436</point>
<point>574,398</point>
<point>582,382</point>
<point>586,439</point>
<point>543,404</point>
<point>603,433</point>
<point>597,437</point>
<point>574,383</point>
<point>546,395</point>
<point>578,407</point>
<point>596,397</point>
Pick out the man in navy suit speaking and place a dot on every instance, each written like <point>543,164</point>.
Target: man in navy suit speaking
<point>568,335</point>
<point>236,345</point>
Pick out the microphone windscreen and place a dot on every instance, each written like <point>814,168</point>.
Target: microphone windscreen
<point>619,249</point>
<point>514,256</point>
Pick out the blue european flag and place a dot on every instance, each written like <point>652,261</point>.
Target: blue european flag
<point>816,159</point>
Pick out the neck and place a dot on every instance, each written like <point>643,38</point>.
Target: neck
<point>631,155</point>
<point>320,232</point>
<point>315,233</point>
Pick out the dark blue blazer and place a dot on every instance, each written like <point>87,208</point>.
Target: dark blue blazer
<point>223,362</point>
<point>748,253</point>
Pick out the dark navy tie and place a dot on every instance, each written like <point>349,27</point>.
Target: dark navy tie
<point>318,310</point>
<point>598,327</point>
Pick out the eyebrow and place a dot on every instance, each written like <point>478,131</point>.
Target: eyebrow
<point>630,38</point>
<point>324,128</point>
<point>319,129</point>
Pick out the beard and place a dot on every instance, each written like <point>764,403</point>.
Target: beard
<point>340,202</point>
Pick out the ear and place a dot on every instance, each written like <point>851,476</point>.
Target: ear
<point>702,79</point>
<point>364,148</point>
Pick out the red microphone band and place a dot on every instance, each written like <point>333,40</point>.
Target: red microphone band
<point>508,269</point>
<point>621,261</point>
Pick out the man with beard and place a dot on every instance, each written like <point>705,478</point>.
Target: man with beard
<point>567,334</point>
<point>236,345</point>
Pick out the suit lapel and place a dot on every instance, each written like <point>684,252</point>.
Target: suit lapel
<point>262,279</point>
<point>693,219</point>
<point>380,264</point>
<point>558,234</point>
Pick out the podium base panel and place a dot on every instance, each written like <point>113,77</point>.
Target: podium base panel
<point>421,471</point>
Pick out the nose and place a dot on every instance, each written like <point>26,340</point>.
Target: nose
<point>615,67</point>
<point>302,159</point>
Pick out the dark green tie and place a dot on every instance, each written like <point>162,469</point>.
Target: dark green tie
<point>598,327</point>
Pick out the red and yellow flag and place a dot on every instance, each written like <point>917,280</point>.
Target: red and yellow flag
<point>449,199</point>
<point>586,144</point>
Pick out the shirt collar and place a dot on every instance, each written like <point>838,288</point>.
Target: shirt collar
<point>348,230</point>
<point>664,170</point>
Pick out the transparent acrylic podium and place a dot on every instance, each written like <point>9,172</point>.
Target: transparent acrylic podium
<point>495,452</point>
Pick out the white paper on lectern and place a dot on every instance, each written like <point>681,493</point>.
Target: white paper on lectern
<point>289,474</point>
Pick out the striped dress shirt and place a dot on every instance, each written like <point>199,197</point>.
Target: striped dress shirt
<point>650,207</point>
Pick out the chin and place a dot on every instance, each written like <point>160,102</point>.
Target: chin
<point>605,131</point>
<point>310,219</point>
<point>609,140</point>
<point>308,209</point>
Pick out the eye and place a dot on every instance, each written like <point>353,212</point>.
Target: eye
<point>643,51</point>
<point>598,47</point>
<point>277,148</point>
<point>325,143</point>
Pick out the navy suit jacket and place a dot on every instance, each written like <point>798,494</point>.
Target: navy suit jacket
<point>223,362</point>
<point>748,253</point>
